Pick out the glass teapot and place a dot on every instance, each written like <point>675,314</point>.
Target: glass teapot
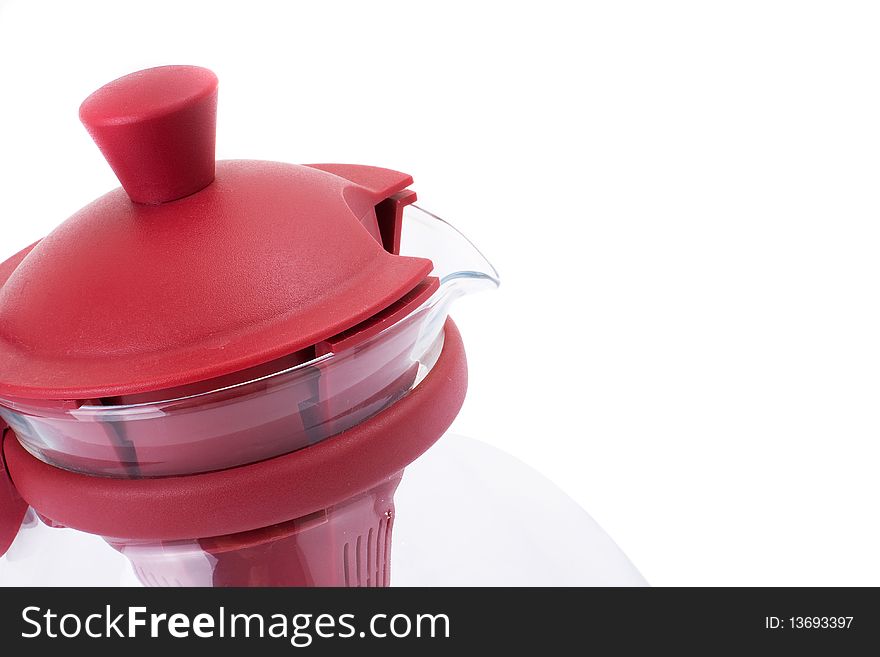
<point>217,374</point>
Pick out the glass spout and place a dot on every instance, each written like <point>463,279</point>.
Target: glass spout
<point>457,262</point>
<point>459,266</point>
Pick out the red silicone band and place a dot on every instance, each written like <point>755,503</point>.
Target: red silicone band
<point>256,495</point>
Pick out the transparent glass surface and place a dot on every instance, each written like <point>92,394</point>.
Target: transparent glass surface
<point>269,415</point>
<point>464,514</point>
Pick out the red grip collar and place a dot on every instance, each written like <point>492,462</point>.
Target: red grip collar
<point>256,495</point>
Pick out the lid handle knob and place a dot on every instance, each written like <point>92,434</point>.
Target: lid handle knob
<point>156,129</point>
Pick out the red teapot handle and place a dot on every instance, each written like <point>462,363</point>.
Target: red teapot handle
<point>12,506</point>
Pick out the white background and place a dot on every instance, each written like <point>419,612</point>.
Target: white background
<point>681,197</point>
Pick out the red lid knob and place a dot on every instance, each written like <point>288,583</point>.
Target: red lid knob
<point>156,128</point>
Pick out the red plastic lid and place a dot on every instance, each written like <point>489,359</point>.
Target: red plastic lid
<point>193,270</point>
